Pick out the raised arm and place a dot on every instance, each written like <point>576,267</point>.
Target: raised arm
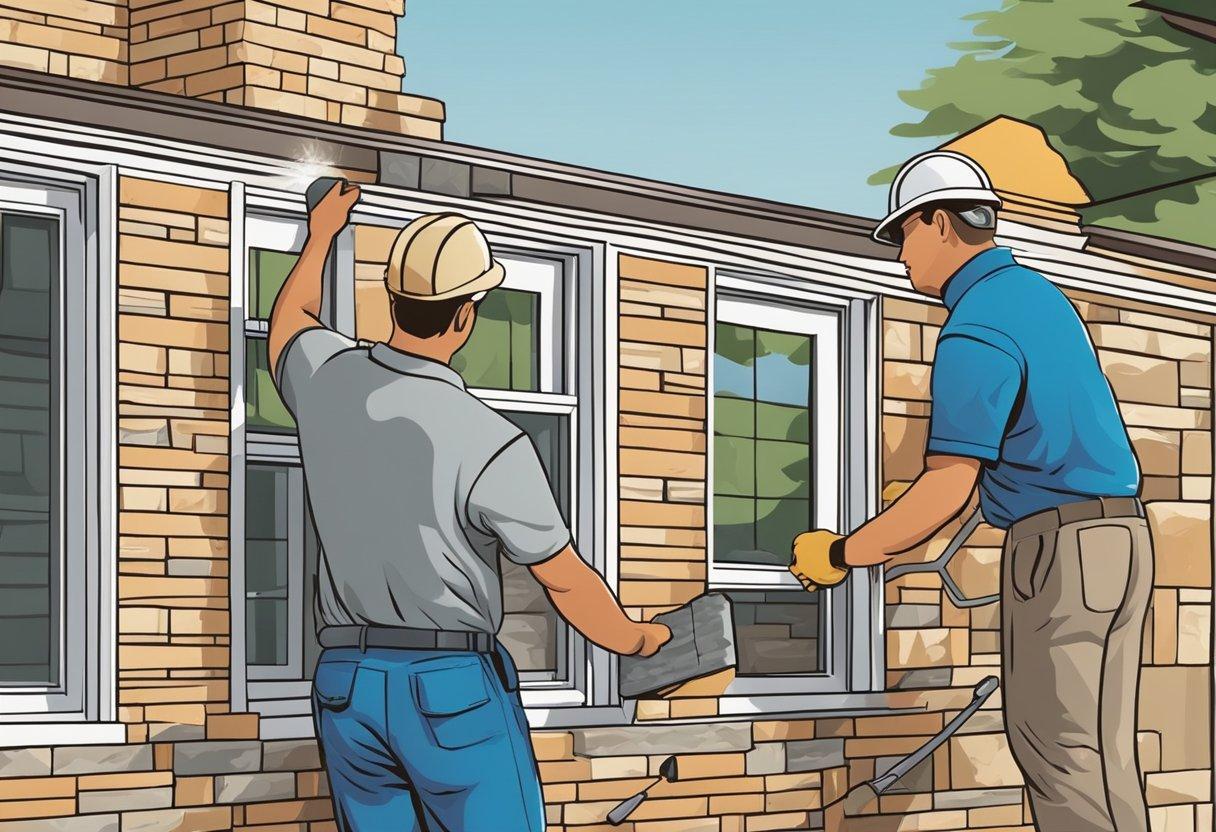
<point>585,601</point>
<point>298,305</point>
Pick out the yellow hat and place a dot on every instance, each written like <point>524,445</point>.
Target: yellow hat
<point>441,256</point>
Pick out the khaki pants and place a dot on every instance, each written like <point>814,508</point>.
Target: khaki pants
<point>1076,584</point>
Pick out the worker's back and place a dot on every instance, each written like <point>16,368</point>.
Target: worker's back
<point>393,447</point>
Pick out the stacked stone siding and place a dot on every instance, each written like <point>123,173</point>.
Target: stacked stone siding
<point>325,59</point>
<point>77,38</point>
<point>173,451</point>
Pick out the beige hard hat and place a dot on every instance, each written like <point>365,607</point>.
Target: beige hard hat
<point>441,256</point>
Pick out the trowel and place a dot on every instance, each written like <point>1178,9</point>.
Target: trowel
<point>669,772</point>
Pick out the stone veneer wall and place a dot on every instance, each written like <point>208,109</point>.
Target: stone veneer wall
<point>192,766</point>
<point>334,60</point>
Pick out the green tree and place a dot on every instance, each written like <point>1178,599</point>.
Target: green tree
<point>1129,100</point>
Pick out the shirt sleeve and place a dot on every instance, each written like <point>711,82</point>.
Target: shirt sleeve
<point>307,352</point>
<point>511,500</point>
<point>977,380</point>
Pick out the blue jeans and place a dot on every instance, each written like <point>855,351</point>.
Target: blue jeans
<point>425,741</point>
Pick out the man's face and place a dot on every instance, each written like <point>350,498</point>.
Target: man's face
<point>922,243</point>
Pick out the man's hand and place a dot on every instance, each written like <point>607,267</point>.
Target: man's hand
<point>653,636</point>
<point>812,562</point>
<point>329,216</point>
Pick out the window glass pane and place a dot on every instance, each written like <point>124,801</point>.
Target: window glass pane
<point>266,563</point>
<point>267,272</point>
<point>503,353</point>
<point>264,409</point>
<point>30,566</point>
<point>531,629</point>
<point>762,453</point>
<point>777,632</point>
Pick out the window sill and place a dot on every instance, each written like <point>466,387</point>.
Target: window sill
<point>41,734</point>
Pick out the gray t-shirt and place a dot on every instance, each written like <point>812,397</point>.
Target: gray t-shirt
<point>415,485</point>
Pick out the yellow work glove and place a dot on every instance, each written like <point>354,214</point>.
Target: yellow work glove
<point>814,565</point>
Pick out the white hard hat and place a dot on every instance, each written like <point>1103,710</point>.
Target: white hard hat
<point>938,176</point>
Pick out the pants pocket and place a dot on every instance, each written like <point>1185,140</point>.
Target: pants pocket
<point>1105,555</point>
<point>332,684</point>
<point>455,704</point>
<point>1033,558</point>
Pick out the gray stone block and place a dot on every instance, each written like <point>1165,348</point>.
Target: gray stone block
<point>195,819</point>
<point>175,732</point>
<point>702,642</point>
<point>124,800</point>
<point>91,823</point>
<point>400,169</point>
<point>814,755</point>
<point>102,759</point>
<point>25,762</point>
<point>913,616</point>
<point>491,181</point>
<point>441,176</point>
<point>983,722</point>
<point>929,677</point>
<point>766,758</point>
<point>217,757</point>
<point>250,788</point>
<point>290,755</point>
<point>973,798</point>
<point>625,740</point>
<point>156,438</point>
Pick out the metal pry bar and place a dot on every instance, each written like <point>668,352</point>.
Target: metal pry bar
<point>940,563</point>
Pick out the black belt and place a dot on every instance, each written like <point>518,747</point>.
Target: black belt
<point>404,638</point>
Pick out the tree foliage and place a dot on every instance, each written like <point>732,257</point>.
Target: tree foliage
<point>1129,101</point>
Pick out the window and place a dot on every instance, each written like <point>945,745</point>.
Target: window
<point>778,457</point>
<point>51,581</point>
<point>514,361</point>
<point>278,542</point>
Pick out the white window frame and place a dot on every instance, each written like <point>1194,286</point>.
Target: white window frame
<point>84,205</point>
<point>846,330</point>
<point>280,693</point>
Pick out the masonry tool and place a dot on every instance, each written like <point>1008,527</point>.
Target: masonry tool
<point>702,642</point>
<point>940,563</point>
<point>668,771</point>
<point>312,195</point>
<point>860,796</point>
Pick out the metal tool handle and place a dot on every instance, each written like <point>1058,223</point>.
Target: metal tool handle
<point>623,809</point>
<point>979,696</point>
<point>940,563</point>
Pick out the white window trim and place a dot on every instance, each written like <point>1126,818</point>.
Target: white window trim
<point>81,710</point>
<point>854,658</point>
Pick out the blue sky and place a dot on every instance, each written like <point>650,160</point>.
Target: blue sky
<point>780,99</point>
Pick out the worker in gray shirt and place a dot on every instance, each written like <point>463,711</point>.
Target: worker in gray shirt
<point>416,486</point>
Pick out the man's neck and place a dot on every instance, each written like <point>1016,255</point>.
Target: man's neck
<point>955,259</point>
<point>433,348</point>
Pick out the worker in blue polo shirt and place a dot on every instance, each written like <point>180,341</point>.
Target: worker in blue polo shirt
<point>1020,406</point>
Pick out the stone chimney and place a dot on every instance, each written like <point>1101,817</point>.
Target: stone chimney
<point>334,60</point>
<point>1031,176</point>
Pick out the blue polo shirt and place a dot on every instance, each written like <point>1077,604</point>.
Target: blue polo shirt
<point>1017,384</point>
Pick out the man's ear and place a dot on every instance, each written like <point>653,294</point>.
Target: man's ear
<point>464,315</point>
<point>942,224</point>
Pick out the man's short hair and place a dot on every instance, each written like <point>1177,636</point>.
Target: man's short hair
<point>425,318</point>
<point>955,209</point>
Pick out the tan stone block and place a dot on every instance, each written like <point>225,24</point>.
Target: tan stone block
<point>25,57</point>
<point>659,593</point>
<point>137,498</point>
<point>1158,416</point>
<point>557,745</point>
<point>1194,634</point>
<point>931,647</point>
<point>641,488</point>
<point>905,380</point>
<point>146,620</point>
<point>895,726</point>
<point>1197,452</point>
<point>141,358</point>
<point>782,730</point>
<point>914,311</point>
<point>232,726</point>
<point>673,440</point>
<point>650,463</point>
<point>1198,489</point>
<point>1157,450</point>
<point>900,341</point>
<point>1181,538</point>
<point>30,809</point>
<point>1194,786</point>
<point>1171,819</point>
<point>1149,342</point>
<point>33,788</point>
<point>693,708</point>
<point>1175,703</point>
<point>667,515</point>
<point>630,267</point>
<point>286,102</point>
<point>980,761</point>
<point>1138,378</point>
<point>668,570</point>
<point>1165,626</point>
<point>673,333</point>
